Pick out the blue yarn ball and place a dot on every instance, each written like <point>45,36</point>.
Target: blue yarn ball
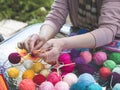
<point>86,79</point>
<point>77,86</point>
<point>94,86</point>
<point>116,87</point>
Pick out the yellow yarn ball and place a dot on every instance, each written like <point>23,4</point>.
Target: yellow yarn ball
<point>13,72</point>
<point>28,74</point>
<point>45,72</point>
<point>37,67</point>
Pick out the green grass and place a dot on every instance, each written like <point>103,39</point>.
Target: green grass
<point>25,10</point>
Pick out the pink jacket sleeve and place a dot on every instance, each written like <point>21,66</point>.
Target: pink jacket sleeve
<point>109,23</point>
<point>57,16</point>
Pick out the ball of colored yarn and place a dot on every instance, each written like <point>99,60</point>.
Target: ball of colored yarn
<point>79,60</point>
<point>14,58</point>
<point>94,86</point>
<point>61,85</point>
<point>45,72</point>
<point>26,84</point>
<point>46,86</point>
<point>116,69</point>
<point>86,55</point>
<point>86,79</point>
<point>65,59</point>
<point>104,72</point>
<point>114,79</point>
<point>115,57</point>
<point>1,87</point>
<point>70,78</point>
<point>13,72</point>
<point>54,77</point>
<point>38,79</point>
<point>99,57</point>
<point>74,53</point>
<point>28,64</point>
<point>109,64</point>
<point>37,67</point>
<point>85,68</point>
<point>28,74</point>
<point>116,87</point>
<point>77,86</point>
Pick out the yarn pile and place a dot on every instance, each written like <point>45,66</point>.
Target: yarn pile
<point>75,70</point>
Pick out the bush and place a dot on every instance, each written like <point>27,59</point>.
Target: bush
<point>31,11</point>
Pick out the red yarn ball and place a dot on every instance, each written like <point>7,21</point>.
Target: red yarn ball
<point>38,79</point>
<point>104,72</point>
<point>54,77</point>
<point>14,58</point>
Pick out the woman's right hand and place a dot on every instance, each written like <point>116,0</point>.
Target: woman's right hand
<point>31,43</point>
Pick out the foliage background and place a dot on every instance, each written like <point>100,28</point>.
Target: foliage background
<point>30,11</point>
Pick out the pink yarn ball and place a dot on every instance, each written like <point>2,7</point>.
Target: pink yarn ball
<point>65,59</point>
<point>54,77</point>
<point>46,86</point>
<point>70,78</point>
<point>26,84</point>
<point>86,55</point>
<point>99,57</point>
<point>61,86</point>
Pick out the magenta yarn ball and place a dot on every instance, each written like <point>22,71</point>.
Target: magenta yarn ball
<point>65,59</point>
<point>99,57</point>
<point>86,55</point>
<point>61,85</point>
<point>46,86</point>
<point>54,77</point>
<point>14,58</point>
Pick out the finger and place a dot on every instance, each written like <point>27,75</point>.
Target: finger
<point>46,47</point>
<point>20,45</point>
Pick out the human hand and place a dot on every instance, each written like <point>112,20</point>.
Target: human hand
<point>51,50</point>
<point>33,42</point>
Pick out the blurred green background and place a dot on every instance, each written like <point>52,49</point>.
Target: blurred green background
<point>29,11</point>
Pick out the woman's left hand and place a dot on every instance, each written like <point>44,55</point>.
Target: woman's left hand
<point>51,50</point>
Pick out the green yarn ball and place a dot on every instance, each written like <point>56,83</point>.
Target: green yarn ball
<point>116,69</point>
<point>115,57</point>
<point>94,86</point>
<point>109,64</point>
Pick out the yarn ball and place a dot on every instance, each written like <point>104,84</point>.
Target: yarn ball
<point>65,59</point>
<point>54,77</point>
<point>14,58</point>
<point>113,79</point>
<point>85,68</point>
<point>74,53</point>
<point>37,67</point>
<point>61,85</point>
<point>109,64</point>
<point>45,72</point>
<point>104,72</point>
<point>115,56</point>
<point>99,57</point>
<point>86,55</point>
<point>28,74</point>
<point>86,79</point>
<point>116,87</point>
<point>116,69</point>
<point>77,86</point>
<point>26,84</point>
<point>70,78</point>
<point>94,86</point>
<point>79,60</point>
<point>13,72</point>
<point>38,79</point>
<point>46,85</point>
<point>28,64</point>
<point>1,87</point>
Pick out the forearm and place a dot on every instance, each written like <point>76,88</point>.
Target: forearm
<point>80,41</point>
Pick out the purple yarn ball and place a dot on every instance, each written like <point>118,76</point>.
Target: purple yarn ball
<point>114,79</point>
<point>85,68</point>
<point>79,60</point>
<point>14,58</point>
<point>74,53</point>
